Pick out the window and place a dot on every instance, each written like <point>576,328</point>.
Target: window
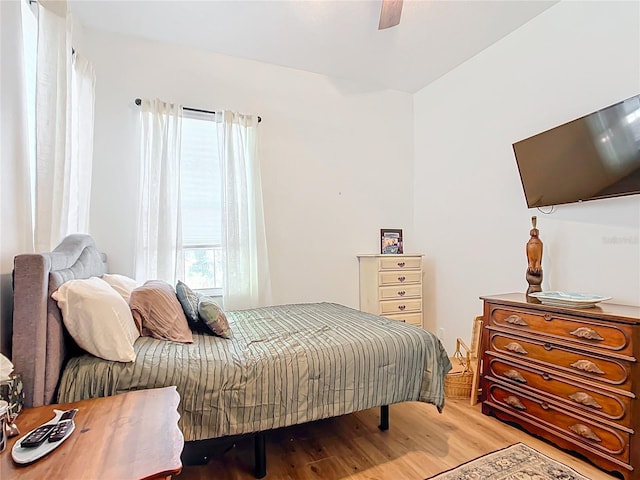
<point>201,202</point>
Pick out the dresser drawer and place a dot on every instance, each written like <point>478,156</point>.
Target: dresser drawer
<point>400,306</point>
<point>582,430</point>
<point>399,277</point>
<point>399,263</point>
<point>595,335</point>
<point>412,318</point>
<point>606,405</point>
<point>601,369</point>
<point>400,291</point>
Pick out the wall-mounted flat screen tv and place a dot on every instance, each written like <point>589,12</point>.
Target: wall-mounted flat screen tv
<point>595,156</point>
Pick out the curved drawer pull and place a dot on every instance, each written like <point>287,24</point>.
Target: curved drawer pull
<point>401,264</point>
<point>515,376</point>
<point>401,307</point>
<point>514,402</point>
<point>516,347</point>
<point>401,293</point>
<point>587,366</point>
<point>546,376</point>
<point>588,333</point>
<point>548,346</point>
<point>516,320</point>
<point>585,432</point>
<point>584,399</point>
<point>545,406</point>
<point>402,279</point>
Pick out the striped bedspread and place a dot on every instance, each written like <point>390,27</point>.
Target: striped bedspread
<point>285,365</point>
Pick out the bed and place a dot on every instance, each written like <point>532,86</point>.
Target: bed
<point>284,365</point>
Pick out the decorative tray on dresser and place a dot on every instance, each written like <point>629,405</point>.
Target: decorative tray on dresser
<point>569,375</point>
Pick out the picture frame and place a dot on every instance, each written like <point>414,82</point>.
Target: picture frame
<point>391,241</point>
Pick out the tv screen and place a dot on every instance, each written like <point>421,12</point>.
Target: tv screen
<point>596,156</point>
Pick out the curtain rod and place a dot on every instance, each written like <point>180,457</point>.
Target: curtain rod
<point>139,101</point>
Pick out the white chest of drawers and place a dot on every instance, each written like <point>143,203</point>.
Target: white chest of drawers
<point>391,285</point>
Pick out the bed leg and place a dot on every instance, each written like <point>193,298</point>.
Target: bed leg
<point>384,417</point>
<point>260,452</point>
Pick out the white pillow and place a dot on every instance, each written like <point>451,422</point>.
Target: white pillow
<point>121,284</point>
<point>98,318</point>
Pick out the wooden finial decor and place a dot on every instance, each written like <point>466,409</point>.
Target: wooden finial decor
<point>534,259</point>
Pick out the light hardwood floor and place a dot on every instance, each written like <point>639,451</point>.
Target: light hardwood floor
<point>420,443</point>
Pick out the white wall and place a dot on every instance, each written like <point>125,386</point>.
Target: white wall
<point>336,157</point>
<point>470,214</point>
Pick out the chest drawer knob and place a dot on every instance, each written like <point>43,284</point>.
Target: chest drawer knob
<point>584,432</point>
<point>516,348</point>
<point>514,402</point>
<point>584,399</point>
<point>515,376</point>
<point>546,376</point>
<point>588,333</point>
<point>401,307</point>
<point>402,279</point>
<point>545,406</point>
<point>548,317</point>
<point>402,293</point>
<point>587,366</point>
<point>401,264</point>
<point>547,346</point>
<point>516,320</point>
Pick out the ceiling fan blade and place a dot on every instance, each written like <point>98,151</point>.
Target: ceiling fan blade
<point>390,14</point>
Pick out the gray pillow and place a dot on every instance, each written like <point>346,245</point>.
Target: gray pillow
<point>189,301</point>
<point>213,317</point>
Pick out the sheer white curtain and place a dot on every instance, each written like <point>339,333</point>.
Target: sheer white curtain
<point>246,270</point>
<point>53,97</point>
<point>83,83</point>
<point>159,242</point>
<point>15,190</point>
<point>16,235</point>
<point>64,143</point>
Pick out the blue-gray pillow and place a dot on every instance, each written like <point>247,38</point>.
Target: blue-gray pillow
<point>213,317</point>
<point>189,301</point>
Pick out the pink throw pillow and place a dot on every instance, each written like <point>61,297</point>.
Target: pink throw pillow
<point>158,313</point>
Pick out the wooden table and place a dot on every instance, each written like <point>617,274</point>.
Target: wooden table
<point>134,435</point>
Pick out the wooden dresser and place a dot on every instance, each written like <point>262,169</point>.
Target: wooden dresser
<point>569,375</point>
<point>391,285</point>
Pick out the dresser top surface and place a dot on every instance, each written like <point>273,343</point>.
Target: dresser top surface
<point>389,255</point>
<point>603,310</point>
<point>114,437</point>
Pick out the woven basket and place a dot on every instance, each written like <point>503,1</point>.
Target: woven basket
<point>458,382</point>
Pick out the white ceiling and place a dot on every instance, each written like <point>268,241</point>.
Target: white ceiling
<point>339,38</point>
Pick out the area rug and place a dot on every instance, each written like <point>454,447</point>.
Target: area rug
<point>517,462</point>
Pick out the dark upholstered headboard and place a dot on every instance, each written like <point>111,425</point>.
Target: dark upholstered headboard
<point>40,342</point>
